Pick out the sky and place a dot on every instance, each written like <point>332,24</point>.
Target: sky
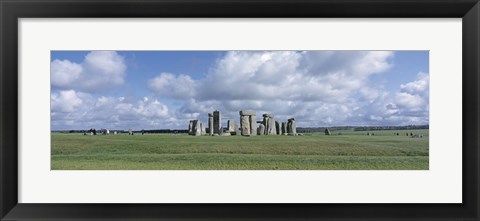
<point>165,89</point>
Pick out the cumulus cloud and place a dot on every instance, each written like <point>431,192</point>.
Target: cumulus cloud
<point>408,106</point>
<point>86,111</point>
<point>318,88</point>
<point>291,75</point>
<point>64,72</point>
<point>100,70</point>
<point>170,85</point>
<point>65,101</point>
<point>413,97</point>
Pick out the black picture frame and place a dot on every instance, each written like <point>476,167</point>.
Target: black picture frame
<point>12,10</point>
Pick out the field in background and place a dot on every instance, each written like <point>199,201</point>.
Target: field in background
<point>351,150</point>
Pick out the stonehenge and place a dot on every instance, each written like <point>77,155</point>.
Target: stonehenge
<point>267,126</point>
<point>249,126</point>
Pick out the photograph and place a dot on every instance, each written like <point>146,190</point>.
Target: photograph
<point>239,110</point>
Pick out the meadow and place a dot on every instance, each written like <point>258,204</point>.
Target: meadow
<point>349,151</point>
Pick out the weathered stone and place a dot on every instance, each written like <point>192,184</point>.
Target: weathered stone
<point>202,127</point>
<point>278,128</point>
<point>247,112</point>
<point>198,128</point>
<point>261,130</point>
<point>265,123</point>
<point>284,128</point>
<point>291,126</point>
<point>231,125</point>
<point>270,126</point>
<point>190,128</point>
<point>245,125</point>
<point>248,123</point>
<point>273,130</point>
<point>210,124</point>
<point>253,125</point>
<point>327,131</point>
<point>217,122</point>
<point>294,126</point>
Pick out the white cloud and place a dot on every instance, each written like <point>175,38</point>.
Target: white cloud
<point>414,96</point>
<point>151,109</point>
<point>290,75</point>
<point>170,85</point>
<point>100,70</point>
<point>85,111</point>
<point>420,86</point>
<point>323,88</point>
<point>64,72</point>
<point>65,101</point>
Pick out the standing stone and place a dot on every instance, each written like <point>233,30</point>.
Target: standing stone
<point>202,127</point>
<point>217,122</point>
<point>195,129</point>
<point>291,126</point>
<point>253,125</point>
<point>210,124</point>
<point>231,125</point>
<point>261,129</point>
<point>248,123</point>
<point>284,128</point>
<point>274,128</point>
<point>237,130</point>
<point>270,124</point>
<point>198,128</point>
<point>294,126</point>
<point>327,132</point>
<point>190,128</point>
<point>265,123</point>
<point>277,128</point>
<point>245,125</point>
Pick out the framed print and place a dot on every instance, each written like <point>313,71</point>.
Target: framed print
<point>239,110</point>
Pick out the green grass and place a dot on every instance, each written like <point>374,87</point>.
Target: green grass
<point>349,151</point>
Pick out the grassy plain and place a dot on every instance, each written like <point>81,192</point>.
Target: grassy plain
<point>349,151</point>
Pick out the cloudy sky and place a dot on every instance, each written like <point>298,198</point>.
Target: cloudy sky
<point>165,89</point>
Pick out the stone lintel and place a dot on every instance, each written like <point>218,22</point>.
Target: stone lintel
<point>247,113</point>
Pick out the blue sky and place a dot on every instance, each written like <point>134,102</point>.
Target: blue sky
<point>165,89</point>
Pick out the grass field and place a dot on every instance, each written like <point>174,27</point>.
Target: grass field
<point>349,151</point>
